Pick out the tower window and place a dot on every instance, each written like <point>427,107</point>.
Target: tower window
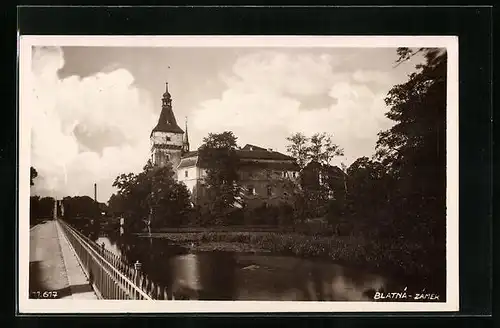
<point>293,174</point>
<point>186,173</point>
<point>167,138</point>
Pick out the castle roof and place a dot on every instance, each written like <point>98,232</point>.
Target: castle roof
<point>251,155</point>
<point>167,122</point>
<point>188,162</point>
<point>262,153</point>
<point>252,147</point>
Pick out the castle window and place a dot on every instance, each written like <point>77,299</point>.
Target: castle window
<point>167,138</point>
<point>250,190</point>
<point>269,190</point>
<point>186,173</point>
<point>285,174</point>
<point>294,174</point>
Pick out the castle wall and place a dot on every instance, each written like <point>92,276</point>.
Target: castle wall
<point>269,187</point>
<point>266,186</point>
<point>191,178</point>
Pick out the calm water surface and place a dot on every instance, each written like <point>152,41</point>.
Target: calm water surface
<point>242,276</point>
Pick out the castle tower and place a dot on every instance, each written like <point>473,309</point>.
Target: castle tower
<point>166,137</point>
<point>185,141</point>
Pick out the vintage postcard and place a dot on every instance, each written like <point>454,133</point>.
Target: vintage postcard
<point>238,174</point>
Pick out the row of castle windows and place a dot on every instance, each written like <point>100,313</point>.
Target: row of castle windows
<point>250,191</point>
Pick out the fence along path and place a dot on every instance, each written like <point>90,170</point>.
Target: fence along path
<point>111,277</point>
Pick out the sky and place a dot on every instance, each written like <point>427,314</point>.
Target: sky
<point>94,107</point>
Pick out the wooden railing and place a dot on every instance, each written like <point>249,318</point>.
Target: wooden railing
<point>111,277</point>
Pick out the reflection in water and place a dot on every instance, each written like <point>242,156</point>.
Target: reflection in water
<point>238,276</point>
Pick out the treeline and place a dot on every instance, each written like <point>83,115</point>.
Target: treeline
<point>401,191</point>
<point>41,207</point>
<point>78,207</point>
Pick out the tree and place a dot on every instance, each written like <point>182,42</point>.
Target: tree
<point>317,182</point>
<point>315,149</point>
<point>218,156</point>
<point>151,194</point>
<point>368,183</point>
<point>45,207</point>
<point>33,175</point>
<point>414,149</point>
<point>35,214</point>
<point>81,207</point>
<point>134,194</point>
<point>330,149</point>
<point>298,148</point>
<point>169,200</point>
<point>318,148</point>
<point>117,204</point>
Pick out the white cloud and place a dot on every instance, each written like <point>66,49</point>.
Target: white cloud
<point>104,102</point>
<point>264,102</point>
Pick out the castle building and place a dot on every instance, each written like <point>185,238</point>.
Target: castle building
<point>265,176</point>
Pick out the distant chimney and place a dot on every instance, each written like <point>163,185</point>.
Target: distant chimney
<point>269,149</point>
<point>95,192</point>
<point>250,148</point>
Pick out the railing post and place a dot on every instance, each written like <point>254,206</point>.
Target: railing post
<point>137,266</point>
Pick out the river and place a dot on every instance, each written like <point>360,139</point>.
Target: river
<point>243,276</point>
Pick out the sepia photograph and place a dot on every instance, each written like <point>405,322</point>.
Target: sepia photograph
<point>239,174</point>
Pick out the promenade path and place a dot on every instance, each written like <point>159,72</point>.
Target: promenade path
<point>54,266</point>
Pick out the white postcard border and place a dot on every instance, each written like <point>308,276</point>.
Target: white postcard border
<point>26,305</point>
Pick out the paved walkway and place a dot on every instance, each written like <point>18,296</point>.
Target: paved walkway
<point>54,266</point>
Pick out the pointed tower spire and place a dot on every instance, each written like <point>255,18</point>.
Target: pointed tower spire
<point>167,122</point>
<point>185,141</point>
